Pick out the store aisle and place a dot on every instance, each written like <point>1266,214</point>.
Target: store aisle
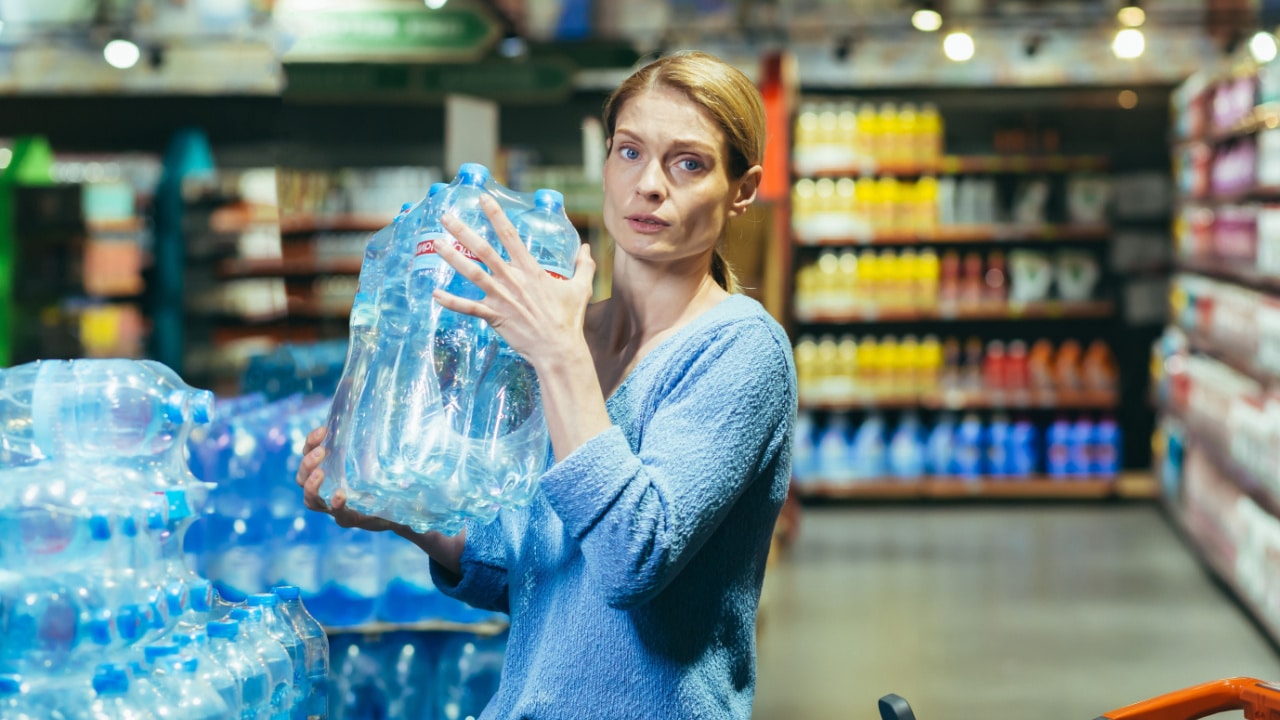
<point>999,613</point>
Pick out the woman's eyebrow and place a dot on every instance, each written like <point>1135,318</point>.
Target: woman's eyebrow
<point>679,143</point>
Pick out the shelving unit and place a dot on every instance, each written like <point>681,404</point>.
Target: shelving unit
<point>880,195</point>
<point>487,628</point>
<point>1219,381</point>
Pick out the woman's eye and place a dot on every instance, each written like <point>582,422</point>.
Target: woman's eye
<point>690,165</point>
<point>630,153</point>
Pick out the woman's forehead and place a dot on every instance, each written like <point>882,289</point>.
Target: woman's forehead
<point>670,114</point>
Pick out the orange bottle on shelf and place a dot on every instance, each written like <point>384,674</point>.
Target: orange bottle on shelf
<point>1099,368</point>
<point>971,279</point>
<point>995,288</point>
<point>971,372</point>
<point>1016,373</point>
<point>949,278</point>
<point>993,367</point>
<point>1040,366</point>
<point>951,363</point>
<point>1066,367</point>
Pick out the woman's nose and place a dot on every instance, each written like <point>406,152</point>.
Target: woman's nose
<point>651,183</point>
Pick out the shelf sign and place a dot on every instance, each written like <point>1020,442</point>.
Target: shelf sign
<point>529,82</point>
<point>386,32</point>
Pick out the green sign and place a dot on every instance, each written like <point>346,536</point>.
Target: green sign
<point>529,82</point>
<point>404,33</point>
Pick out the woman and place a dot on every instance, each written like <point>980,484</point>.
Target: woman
<point>633,577</point>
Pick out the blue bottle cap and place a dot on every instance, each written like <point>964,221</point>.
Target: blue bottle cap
<point>111,680</point>
<point>473,174</point>
<point>100,631</point>
<point>173,405</point>
<point>100,527</point>
<point>252,614</point>
<point>179,508</point>
<point>548,199</point>
<point>201,595</point>
<point>228,629</point>
<point>155,618</point>
<point>175,597</point>
<point>405,207</point>
<point>156,518</point>
<point>263,600</point>
<point>10,684</point>
<point>152,653</point>
<point>288,593</point>
<point>201,406</point>
<point>129,623</point>
<point>129,527</point>
<point>188,664</point>
<point>435,188</point>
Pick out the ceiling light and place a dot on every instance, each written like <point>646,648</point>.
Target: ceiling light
<point>512,46</point>
<point>121,54</point>
<point>958,46</point>
<point>926,20</point>
<point>1263,47</point>
<point>1131,16</point>
<point>1129,44</point>
<point>435,4</point>
<point>1127,99</point>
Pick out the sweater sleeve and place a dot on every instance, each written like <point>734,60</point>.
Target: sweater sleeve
<point>641,515</point>
<point>483,582</point>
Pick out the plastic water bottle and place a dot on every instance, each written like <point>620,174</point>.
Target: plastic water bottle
<point>409,594</point>
<point>867,452</point>
<point>968,448</point>
<point>1023,444</point>
<point>409,669</point>
<point>251,674</point>
<point>907,450</point>
<point>279,628</point>
<point>351,582</point>
<point>17,443</point>
<point>1081,446</point>
<point>379,255</point>
<point>107,408</point>
<point>113,700</point>
<point>549,235</point>
<point>1058,451</point>
<point>359,682</point>
<point>804,451</point>
<point>940,448</point>
<point>1105,457</point>
<point>195,698</point>
<point>211,669</point>
<point>316,645</point>
<point>40,618</point>
<point>998,447</point>
<point>298,559</point>
<point>833,451</point>
<point>18,705</point>
<point>272,655</point>
<point>470,668</point>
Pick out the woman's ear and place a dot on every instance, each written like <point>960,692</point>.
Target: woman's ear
<point>748,185</point>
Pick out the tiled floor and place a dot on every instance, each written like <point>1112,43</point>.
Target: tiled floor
<point>993,613</point>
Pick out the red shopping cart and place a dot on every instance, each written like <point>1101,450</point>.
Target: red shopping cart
<point>1259,701</point>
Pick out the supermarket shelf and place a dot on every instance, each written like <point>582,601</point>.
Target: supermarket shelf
<point>307,224</point>
<point>1230,271</point>
<point>970,164</point>
<point>1241,476</point>
<point>974,400</point>
<point>1219,565</point>
<point>1263,117</point>
<point>973,234</point>
<point>1262,193</point>
<point>1046,310</point>
<point>276,267</point>
<point>491,627</point>
<point>1036,487</point>
<point>1245,366</point>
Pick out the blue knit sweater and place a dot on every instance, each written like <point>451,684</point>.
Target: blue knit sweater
<point>633,577</point>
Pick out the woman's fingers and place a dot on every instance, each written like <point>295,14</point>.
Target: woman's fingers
<point>585,267</point>
<point>311,492</point>
<point>464,306</point>
<point>476,245</point>
<point>508,235</point>
<point>466,267</point>
<point>315,437</point>
<point>310,461</point>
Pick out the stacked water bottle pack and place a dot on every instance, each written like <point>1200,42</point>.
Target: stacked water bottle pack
<point>436,420</point>
<point>256,533</point>
<point>100,616</point>
<point>414,675</point>
<point>970,447</point>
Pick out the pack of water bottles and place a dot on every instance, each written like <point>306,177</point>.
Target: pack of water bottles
<point>100,616</point>
<point>289,369</point>
<point>436,419</point>
<point>414,675</point>
<point>256,533</point>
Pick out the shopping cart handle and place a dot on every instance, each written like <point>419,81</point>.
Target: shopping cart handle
<point>894,707</point>
<point>1258,700</point>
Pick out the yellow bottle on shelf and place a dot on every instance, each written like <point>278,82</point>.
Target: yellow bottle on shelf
<point>865,196</point>
<point>868,294</point>
<point>892,379</point>
<point>806,129</point>
<point>824,196</point>
<point>909,358</point>
<point>869,132</point>
<point>904,276</point>
<point>868,370</point>
<point>929,134</point>
<point>806,354</point>
<point>849,280</point>
<point>847,124</point>
<point>925,276</point>
<point>828,126</point>
<point>883,216</point>
<point>926,205</point>
<point>929,363</point>
<point>908,129</point>
<point>827,366</point>
<point>889,133</point>
<point>846,192</point>
<point>827,298</point>
<point>845,383</point>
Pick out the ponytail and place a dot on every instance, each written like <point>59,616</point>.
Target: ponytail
<point>722,272</point>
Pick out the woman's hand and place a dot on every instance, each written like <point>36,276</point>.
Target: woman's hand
<point>309,479</point>
<point>539,316</point>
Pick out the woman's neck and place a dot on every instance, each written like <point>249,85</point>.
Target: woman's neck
<point>648,301</point>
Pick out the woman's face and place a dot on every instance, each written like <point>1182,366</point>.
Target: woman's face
<point>667,191</point>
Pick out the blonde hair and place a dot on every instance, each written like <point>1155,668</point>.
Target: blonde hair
<point>729,98</point>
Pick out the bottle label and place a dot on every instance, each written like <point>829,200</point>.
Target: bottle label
<point>426,256</point>
<point>299,566</point>
<point>559,273</point>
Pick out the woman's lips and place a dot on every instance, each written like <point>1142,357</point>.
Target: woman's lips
<point>647,224</point>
